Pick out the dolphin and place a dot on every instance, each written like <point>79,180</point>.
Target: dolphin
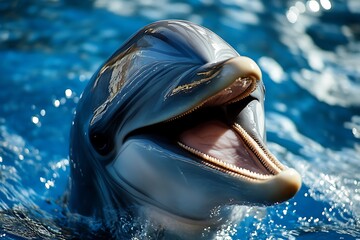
<point>173,124</point>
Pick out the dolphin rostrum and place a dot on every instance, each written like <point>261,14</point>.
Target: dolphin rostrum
<point>173,124</point>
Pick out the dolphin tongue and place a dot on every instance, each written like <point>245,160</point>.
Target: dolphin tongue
<point>217,140</point>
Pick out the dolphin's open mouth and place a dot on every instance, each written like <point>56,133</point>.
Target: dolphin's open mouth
<point>211,134</point>
<point>223,144</point>
<point>230,149</point>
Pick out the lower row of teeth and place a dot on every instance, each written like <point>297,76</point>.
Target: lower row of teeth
<point>230,167</point>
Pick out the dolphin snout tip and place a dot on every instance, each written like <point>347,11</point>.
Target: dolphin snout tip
<point>244,67</point>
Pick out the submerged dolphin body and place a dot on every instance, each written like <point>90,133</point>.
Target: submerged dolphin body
<point>173,123</point>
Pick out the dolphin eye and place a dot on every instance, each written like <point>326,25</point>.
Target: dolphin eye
<point>101,143</point>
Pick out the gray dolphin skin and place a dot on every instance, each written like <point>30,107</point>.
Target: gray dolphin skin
<point>172,125</point>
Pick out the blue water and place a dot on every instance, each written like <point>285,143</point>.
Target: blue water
<point>309,52</point>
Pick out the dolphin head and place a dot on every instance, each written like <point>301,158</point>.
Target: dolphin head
<point>175,120</point>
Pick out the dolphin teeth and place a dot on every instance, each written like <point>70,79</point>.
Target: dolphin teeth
<point>226,167</point>
<point>266,158</point>
<point>185,113</point>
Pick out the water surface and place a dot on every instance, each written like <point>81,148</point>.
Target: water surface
<point>309,52</point>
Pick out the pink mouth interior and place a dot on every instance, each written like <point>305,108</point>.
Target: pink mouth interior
<point>218,140</point>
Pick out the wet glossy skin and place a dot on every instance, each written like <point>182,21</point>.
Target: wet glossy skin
<point>122,156</point>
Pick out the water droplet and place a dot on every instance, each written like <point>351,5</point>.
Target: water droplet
<point>68,93</point>
<point>313,5</point>
<point>300,6</point>
<point>35,120</point>
<point>292,16</point>
<point>56,103</point>
<point>326,4</point>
